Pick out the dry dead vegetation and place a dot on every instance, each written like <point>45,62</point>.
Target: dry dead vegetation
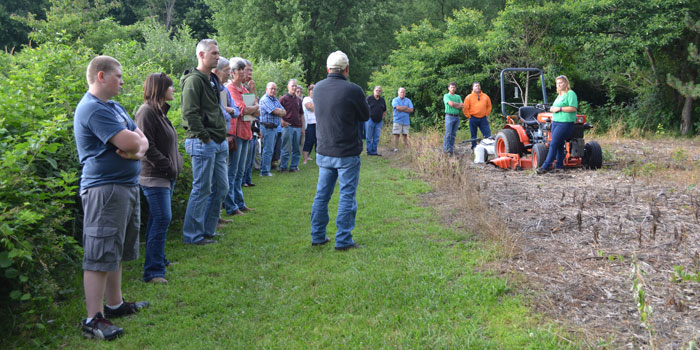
<point>613,255</point>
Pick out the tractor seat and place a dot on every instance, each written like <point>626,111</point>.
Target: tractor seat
<point>529,115</point>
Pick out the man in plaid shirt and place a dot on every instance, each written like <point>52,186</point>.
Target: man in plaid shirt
<point>271,113</point>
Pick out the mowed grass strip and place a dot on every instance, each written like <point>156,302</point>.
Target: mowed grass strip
<point>262,286</point>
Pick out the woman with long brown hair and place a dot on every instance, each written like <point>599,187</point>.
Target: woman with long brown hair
<point>159,169</point>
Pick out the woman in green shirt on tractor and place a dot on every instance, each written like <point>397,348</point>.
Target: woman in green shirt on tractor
<point>564,115</point>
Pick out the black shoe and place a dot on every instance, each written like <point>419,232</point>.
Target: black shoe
<point>352,246</point>
<point>251,185</point>
<point>126,309</point>
<point>293,170</point>
<point>541,170</point>
<point>100,328</point>
<point>205,241</point>
<point>320,243</point>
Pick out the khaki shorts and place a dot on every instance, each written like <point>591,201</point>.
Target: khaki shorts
<point>110,226</point>
<point>400,129</point>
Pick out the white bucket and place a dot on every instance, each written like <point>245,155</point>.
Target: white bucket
<point>481,154</point>
<point>489,145</point>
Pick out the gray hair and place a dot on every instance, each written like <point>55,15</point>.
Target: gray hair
<point>221,64</point>
<point>291,80</point>
<point>237,63</point>
<point>247,63</point>
<point>270,84</point>
<point>204,44</point>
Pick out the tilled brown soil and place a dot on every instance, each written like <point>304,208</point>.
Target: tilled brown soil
<point>578,236</point>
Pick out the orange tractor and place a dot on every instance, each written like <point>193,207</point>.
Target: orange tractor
<point>523,142</point>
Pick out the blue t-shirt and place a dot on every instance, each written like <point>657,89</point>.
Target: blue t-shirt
<point>401,117</point>
<point>230,103</point>
<point>94,124</point>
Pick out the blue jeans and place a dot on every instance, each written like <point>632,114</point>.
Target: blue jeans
<point>248,172</point>
<point>482,124</point>
<point>236,167</point>
<point>373,130</point>
<point>290,144</point>
<point>209,186</point>
<point>159,217</point>
<point>347,171</point>
<point>451,126</point>
<point>268,139</point>
<point>560,133</point>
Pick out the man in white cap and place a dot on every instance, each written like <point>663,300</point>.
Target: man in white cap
<point>341,109</point>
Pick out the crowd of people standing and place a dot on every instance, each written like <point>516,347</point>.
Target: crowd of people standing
<point>223,119</point>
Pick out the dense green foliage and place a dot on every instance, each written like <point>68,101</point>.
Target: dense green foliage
<point>308,30</point>
<point>38,177</point>
<point>14,32</point>
<point>618,55</point>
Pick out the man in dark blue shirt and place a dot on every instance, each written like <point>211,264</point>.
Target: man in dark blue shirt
<point>341,109</point>
<point>110,147</point>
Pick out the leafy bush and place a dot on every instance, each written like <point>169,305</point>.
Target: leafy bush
<point>38,179</point>
<point>79,23</point>
<point>279,72</point>
<point>173,53</point>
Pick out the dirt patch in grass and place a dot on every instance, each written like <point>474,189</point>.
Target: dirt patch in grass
<point>576,237</point>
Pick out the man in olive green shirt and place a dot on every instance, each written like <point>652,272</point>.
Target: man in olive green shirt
<point>453,104</point>
<point>205,142</point>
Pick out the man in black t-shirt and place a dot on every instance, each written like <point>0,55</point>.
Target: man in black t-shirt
<point>377,111</point>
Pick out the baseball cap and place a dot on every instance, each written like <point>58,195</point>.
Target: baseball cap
<point>338,60</point>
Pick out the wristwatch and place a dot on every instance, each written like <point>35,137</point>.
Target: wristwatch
<point>561,109</point>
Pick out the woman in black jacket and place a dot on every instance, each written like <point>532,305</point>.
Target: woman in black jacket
<point>159,169</point>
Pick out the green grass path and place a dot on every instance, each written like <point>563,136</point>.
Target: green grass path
<point>412,285</point>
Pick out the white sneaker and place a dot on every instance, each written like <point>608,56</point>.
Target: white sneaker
<point>396,149</point>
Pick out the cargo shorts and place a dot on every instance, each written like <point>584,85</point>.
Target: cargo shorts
<point>110,226</point>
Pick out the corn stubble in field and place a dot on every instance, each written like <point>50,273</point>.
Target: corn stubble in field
<point>576,236</point>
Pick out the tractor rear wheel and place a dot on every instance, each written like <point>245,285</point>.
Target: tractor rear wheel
<point>539,154</point>
<point>592,156</point>
<point>507,141</point>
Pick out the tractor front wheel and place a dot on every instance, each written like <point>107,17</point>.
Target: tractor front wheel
<point>592,156</point>
<point>539,154</point>
<point>507,141</point>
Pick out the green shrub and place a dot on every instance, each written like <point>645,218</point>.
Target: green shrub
<point>39,174</point>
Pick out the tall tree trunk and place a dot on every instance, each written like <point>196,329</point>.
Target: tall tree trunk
<point>169,6</point>
<point>687,116</point>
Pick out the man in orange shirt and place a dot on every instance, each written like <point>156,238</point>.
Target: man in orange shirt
<point>477,107</point>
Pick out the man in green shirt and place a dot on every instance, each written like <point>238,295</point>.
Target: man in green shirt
<point>453,104</point>
<point>205,132</point>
